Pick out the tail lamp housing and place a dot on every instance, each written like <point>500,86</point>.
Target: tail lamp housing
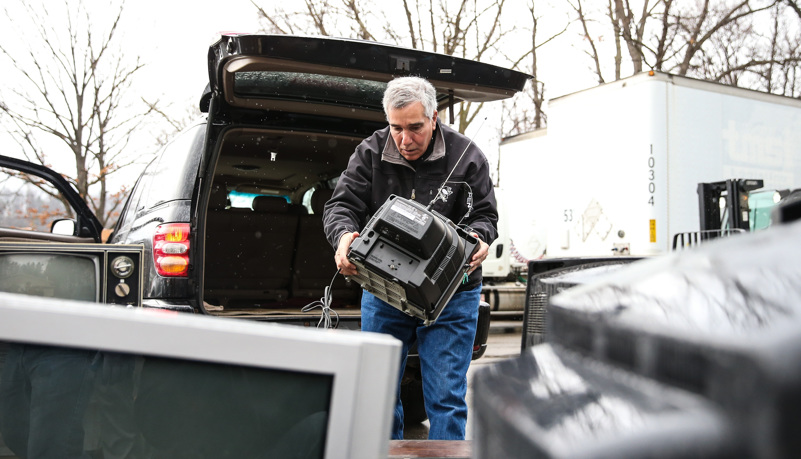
<point>171,249</point>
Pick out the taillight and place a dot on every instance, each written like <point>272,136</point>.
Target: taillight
<point>171,249</point>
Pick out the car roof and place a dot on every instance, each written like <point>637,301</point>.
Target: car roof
<point>339,77</point>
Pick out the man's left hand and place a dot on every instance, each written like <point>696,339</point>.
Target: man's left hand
<point>480,256</point>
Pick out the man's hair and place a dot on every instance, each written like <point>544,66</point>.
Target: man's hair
<point>403,91</point>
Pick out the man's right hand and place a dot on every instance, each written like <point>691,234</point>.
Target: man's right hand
<point>346,268</point>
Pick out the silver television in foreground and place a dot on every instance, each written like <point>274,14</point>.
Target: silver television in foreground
<point>157,384</point>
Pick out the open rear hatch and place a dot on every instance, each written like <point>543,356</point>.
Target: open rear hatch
<point>285,114</point>
<point>339,77</point>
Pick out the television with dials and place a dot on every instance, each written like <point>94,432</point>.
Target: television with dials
<point>101,273</point>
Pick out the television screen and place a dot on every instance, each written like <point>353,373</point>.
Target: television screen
<point>54,275</point>
<point>78,380</point>
<point>96,404</point>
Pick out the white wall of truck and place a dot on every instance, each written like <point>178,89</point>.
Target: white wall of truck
<point>618,166</point>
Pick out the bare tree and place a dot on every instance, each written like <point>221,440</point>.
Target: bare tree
<point>71,95</point>
<point>634,25</point>
<point>312,18</point>
<point>768,60</point>
<point>616,26</point>
<point>525,111</point>
<point>665,35</point>
<point>584,19</point>
<point>175,122</point>
<point>631,29</point>
<point>23,206</point>
<point>793,4</point>
<point>750,43</point>
<point>702,25</point>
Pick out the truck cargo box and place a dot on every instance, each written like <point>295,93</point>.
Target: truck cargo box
<point>616,170</point>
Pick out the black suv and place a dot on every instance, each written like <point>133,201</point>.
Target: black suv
<point>230,212</point>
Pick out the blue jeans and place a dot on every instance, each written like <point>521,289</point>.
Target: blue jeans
<point>445,349</point>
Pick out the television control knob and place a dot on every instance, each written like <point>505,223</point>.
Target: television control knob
<point>122,289</point>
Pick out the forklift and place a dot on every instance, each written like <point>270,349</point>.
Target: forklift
<point>725,205</point>
<point>733,206</point>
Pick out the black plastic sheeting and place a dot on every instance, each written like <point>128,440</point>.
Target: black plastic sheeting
<point>693,354</point>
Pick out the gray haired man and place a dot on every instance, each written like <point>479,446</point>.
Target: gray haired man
<point>412,157</point>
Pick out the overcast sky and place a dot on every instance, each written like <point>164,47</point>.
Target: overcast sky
<point>174,35</point>
<point>172,38</point>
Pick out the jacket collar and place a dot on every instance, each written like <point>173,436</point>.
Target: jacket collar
<point>392,155</point>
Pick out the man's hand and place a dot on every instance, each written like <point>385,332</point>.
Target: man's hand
<point>480,256</point>
<point>346,268</point>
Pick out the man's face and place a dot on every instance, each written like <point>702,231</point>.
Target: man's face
<point>411,129</point>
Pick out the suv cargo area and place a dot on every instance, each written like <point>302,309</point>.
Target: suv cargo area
<point>265,248</point>
<point>230,212</point>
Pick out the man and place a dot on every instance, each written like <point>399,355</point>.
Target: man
<point>412,158</point>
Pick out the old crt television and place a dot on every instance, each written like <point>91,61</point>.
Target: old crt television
<point>691,354</point>
<point>101,273</point>
<point>411,257</point>
<point>550,276</point>
<point>167,384</point>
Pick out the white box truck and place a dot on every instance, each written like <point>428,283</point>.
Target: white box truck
<point>617,169</point>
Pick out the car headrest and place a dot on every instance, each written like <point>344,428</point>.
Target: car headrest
<point>318,200</point>
<point>218,200</point>
<point>271,204</point>
<point>298,209</point>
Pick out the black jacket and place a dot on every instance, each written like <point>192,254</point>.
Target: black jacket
<point>376,170</point>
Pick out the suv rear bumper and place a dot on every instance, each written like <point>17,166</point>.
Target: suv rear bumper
<point>347,320</point>
<point>179,306</point>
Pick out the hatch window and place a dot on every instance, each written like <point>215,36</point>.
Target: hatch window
<point>310,87</point>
